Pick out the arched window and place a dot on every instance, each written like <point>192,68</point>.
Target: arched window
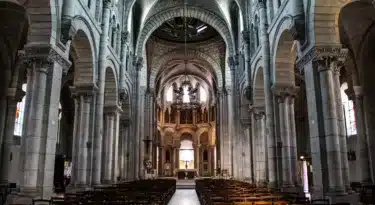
<point>202,95</point>
<point>349,114</point>
<point>19,115</point>
<point>186,97</point>
<point>169,94</point>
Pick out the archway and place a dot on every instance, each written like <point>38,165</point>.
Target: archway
<point>186,155</point>
<point>358,38</point>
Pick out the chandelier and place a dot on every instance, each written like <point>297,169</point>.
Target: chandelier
<point>185,95</point>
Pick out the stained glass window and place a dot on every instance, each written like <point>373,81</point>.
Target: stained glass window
<point>19,115</point>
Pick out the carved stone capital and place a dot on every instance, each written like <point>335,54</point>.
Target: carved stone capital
<point>138,63</point>
<point>125,37</point>
<point>44,56</point>
<point>245,35</point>
<point>324,55</point>
<point>233,62</point>
<point>123,95</point>
<point>112,110</point>
<point>86,90</point>
<point>284,92</point>
<point>107,4</point>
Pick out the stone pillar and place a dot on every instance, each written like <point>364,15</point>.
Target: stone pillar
<point>363,163</point>
<point>227,124</point>
<point>160,164</point>
<point>260,145</point>
<point>141,132</point>
<point>14,96</point>
<point>130,156</point>
<point>124,51</point>
<point>177,164</point>
<point>115,155</point>
<point>98,141</point>
<point>293,138</point>
<point>38,145</point>
<point>212,160</point>
<point>123,142</point>
<point>332,134</point>
<point>83,95</point>
<point>197,158</point>
<point>271,141</point>
<point>341,128</point>
<point>285,135</point>
<point>247,152</point>
<point>108,145</point>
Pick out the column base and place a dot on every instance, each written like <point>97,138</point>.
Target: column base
<point>351,198</point>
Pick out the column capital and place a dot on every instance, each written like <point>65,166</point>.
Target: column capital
<point>125,37</point>
<point>138,63</point>
<point>257,110</point>
<point>112,109</point>
<point>42,57</point>
<point>323,54</point>
<point>245,35</point>
<point>233,61</point>
<point>107,4</point>
<point>285,90</point>
<point>86,90</point>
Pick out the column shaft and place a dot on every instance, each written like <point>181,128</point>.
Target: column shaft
<point>97,158</point>
<point>108,148</point>
<point>363,166</point>
<point>33,134</point>
<point>332,138</point>
<point>341,129</point>
<point>293,141</point>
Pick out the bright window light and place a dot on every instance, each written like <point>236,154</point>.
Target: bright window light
<point>201,29</point>
<point>169,96</point>
<point>202,95</point>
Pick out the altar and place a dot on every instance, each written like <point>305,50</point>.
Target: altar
<point>186,173</point>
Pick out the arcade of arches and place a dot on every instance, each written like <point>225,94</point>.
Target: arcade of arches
<point>275,92</point>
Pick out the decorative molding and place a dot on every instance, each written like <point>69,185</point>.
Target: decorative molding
<point>125,37</point>
<point>86,90</point>
<point>138,63</point>
<point>45,56</point>
<point>321,53</point>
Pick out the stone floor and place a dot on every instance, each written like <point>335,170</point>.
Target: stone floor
<point>184,197</point>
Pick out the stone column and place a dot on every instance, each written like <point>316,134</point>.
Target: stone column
<point>212,160</point>
<point>160,164</point>
<point>14,96</point>
<point>124,52</point>
<point>285,135</point>
<point>83,95</point>
<point>227,124</point>
<point>108,145</point>
<point>363,163</point>
<point>247,152</point>
<point>261,144</point>
<point>97,158</point>
<point>325,67</point>
<point>341,127</point>
<point>40,134</point>
<point>124,134</point>
<point>197,158</point>
<point>271,141</point>
<point>292,136</point>
<point>177,164</point>
<point>141,132</point>
<point>130,156</point>
<point>116,167</point>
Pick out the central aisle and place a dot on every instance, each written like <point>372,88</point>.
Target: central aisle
<point>184,197</point>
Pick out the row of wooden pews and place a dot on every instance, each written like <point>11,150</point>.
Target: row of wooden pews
<point>231,192</point>
<point>143,192</point>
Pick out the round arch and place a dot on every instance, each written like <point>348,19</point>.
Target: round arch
<point>321,18</point>
<point>284,59</point>
<point>258,88</point>
<point>193,12</point>
<point>85,53</point>
<point>43,14</point>
<point>190,54</point>
<point>110,88</point>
